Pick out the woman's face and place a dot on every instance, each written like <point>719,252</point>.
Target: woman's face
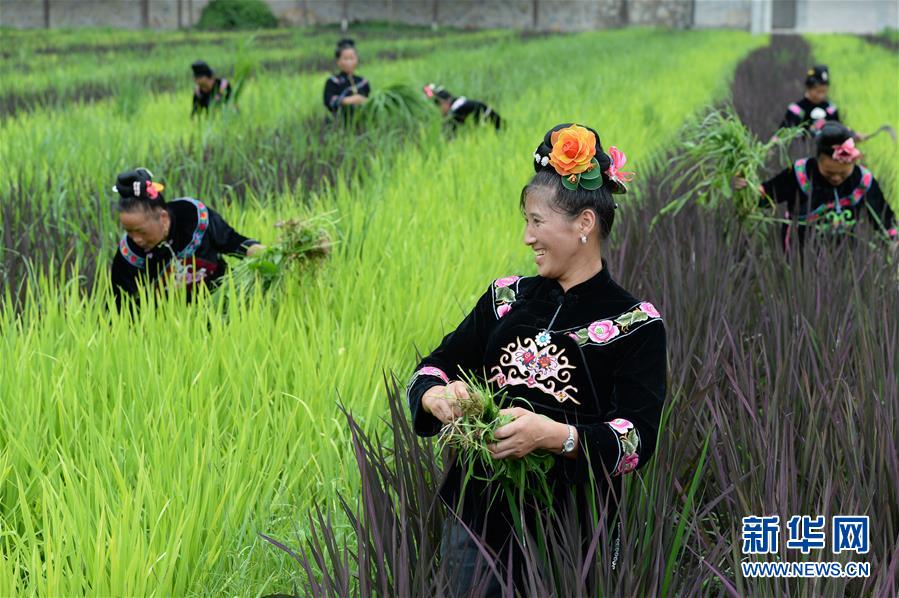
<point>835,172</point>
<point>347,61</point>
<point>204,83</point>
<point>146,227</point>
<point>817,93</point>
<point>554,237</point>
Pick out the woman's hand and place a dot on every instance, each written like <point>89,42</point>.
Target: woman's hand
<point>740,183</point>
<point>355,100</point>
<point>255,249</point>
<point>443,401</point>
<point>529,432</point>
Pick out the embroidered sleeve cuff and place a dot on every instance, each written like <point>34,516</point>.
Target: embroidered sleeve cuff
<point>247,244</point>
<point>430,371</point>
<point>628,443</point>
<point>423,380</point>
<point>603,447</point>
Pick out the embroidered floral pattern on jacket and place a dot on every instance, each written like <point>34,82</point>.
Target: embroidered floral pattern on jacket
<point>504,294</point>
<point>805,183</point>
<point>524,363</point>
<point>628,442</point>
<point>602,332</point>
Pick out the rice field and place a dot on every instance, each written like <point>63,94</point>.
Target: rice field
<point>143,454</point>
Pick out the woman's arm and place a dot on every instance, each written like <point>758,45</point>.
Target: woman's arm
<point>780,189</point>
<point>123,277</point>
<point>626,440</point>
<point>431,391</point>
<point>227,240</point>
<point>880,211</point>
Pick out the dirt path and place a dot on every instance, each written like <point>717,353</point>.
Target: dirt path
<point>768,80</point>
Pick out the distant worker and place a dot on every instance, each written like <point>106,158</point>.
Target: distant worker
<point>457,110</point>
<point>177,243</point>
<point>209,90</point>
<point>346,89</point>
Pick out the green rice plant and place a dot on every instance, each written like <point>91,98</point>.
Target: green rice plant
<point>142,453</point>
<point>246,63</point>
<point>397,105</point>
<point>472,433</point>
<point>303,244</point>
<point>59,76</point>
<point>711,151</point>
<point>130,98</point>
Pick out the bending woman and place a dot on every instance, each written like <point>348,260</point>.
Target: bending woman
<point>181,242</point>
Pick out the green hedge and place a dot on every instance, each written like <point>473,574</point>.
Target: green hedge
<point>237,14</point>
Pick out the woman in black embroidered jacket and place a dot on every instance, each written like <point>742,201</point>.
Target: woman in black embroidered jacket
<point>830,191</point>
<point>346,89</point>
<point>209,90</point>
<point>813,110</point>
<point>459,110</point>
<point>179,242</point>
<point>585,354</point>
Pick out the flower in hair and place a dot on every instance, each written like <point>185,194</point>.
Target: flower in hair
<point>614,171</point>
<point>573,157</point>
<point>846,152</point>
<point>573,150</point>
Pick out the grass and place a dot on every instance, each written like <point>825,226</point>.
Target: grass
<point>714,149</point>
<point>142,455</point>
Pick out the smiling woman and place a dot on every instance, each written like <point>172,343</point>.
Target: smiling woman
<point>829,192</point>
<point>579,361</point>
<point>179,243</point>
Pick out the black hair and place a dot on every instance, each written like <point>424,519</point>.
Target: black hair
<point>573,202</point>
<point>136,191</point>
<point>817,75</point>
<point>437,93</point>
<point>830,135</point>
<point>345,43</point>
<point>201,69</point>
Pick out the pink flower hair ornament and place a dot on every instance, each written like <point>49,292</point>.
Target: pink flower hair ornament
<point>614,172</point>
<point>846,152</point>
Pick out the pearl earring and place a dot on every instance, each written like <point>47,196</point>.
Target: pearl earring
<point>584,239</point>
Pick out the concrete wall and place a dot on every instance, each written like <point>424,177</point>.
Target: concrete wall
<point>855,16</point>
<point>552,15</point>
<point>731,14</point>
<point>812,16</point>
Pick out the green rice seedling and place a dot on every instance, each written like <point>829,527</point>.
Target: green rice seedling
<point>396,104</point>
<point>472,433</point>
<point>304,242</point>
<point>710,153</point>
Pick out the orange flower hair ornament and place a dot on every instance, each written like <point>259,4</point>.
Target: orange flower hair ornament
<point>573,157</point>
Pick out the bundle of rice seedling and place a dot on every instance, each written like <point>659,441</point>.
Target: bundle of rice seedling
<point>392,105</point>
<point>714,150</point>
<point>472,433</point>
<point>304,243</point>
